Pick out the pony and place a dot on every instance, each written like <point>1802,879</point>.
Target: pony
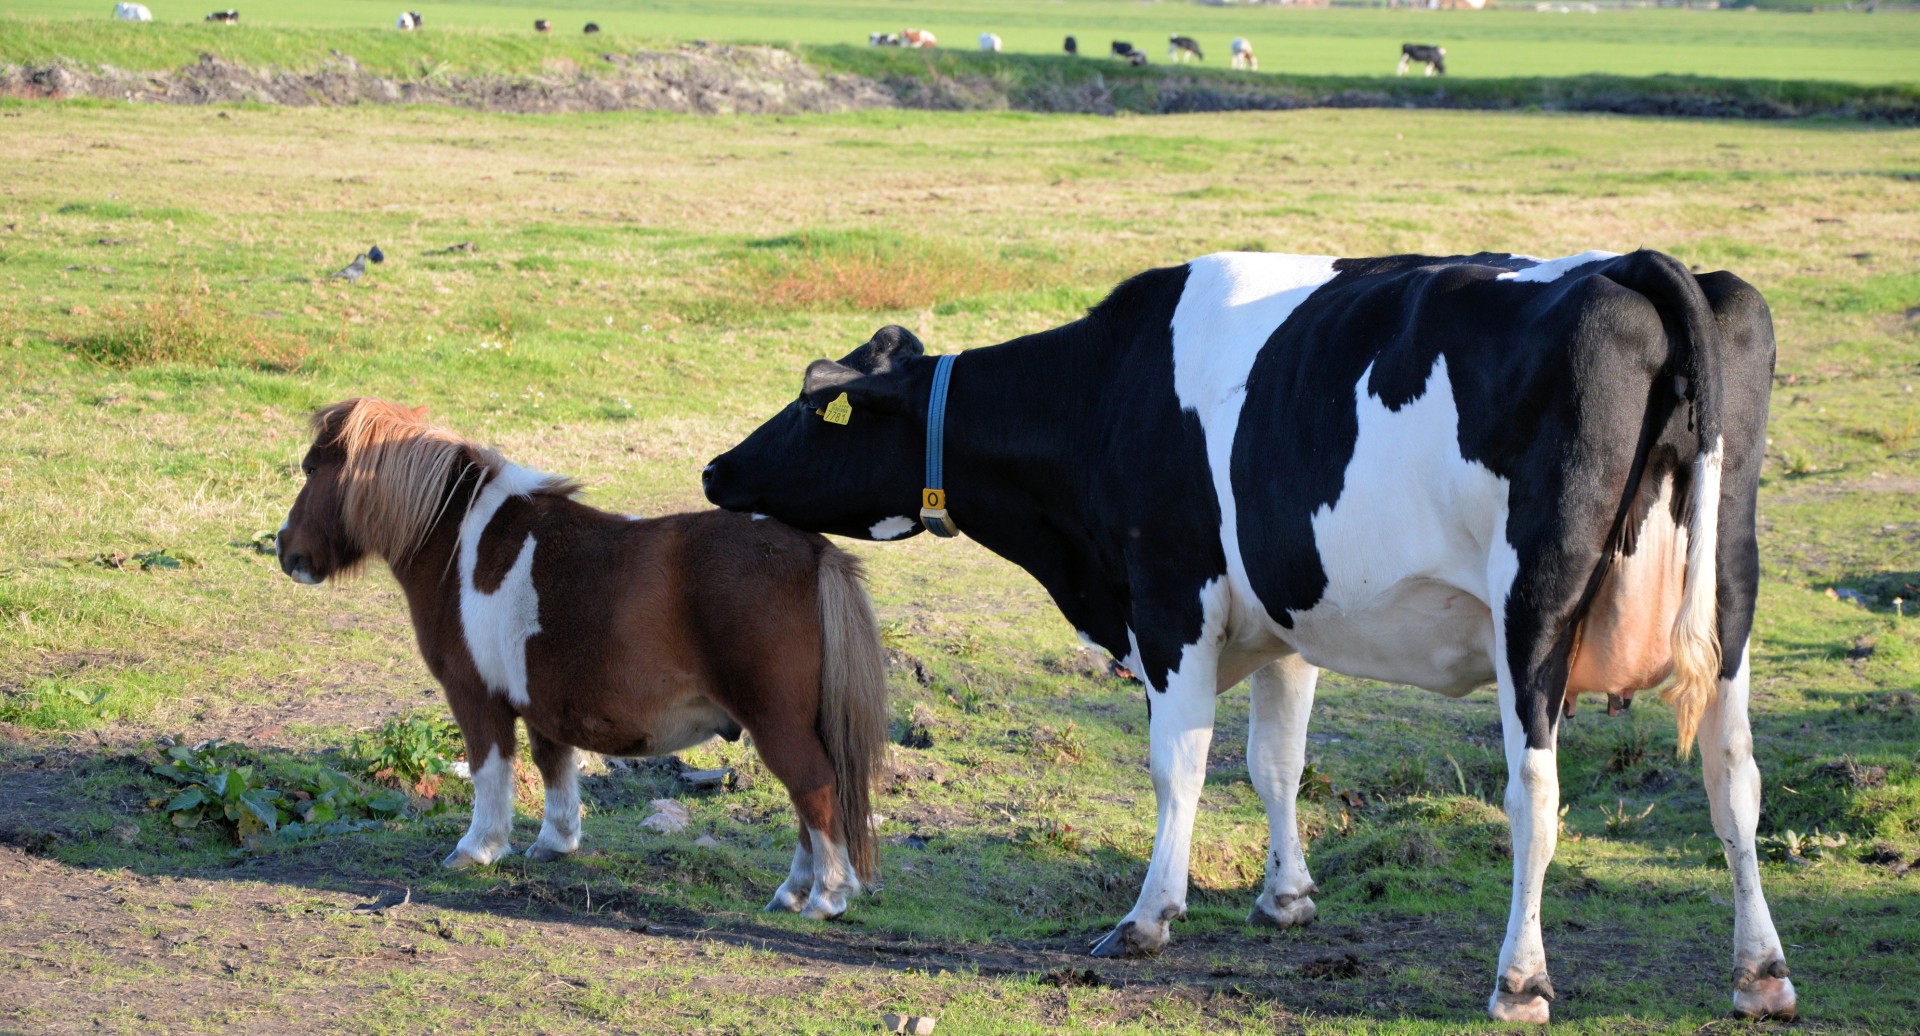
<point>603,632</point>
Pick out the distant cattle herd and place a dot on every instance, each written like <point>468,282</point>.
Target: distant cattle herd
<point>1180,48</point>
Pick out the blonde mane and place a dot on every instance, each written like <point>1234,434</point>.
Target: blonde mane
<point>397,470</point>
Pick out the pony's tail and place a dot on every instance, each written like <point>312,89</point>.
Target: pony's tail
<point>853,701</point>
<point>1696,357</point>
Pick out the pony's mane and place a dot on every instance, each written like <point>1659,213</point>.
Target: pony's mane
<point>398,470</point>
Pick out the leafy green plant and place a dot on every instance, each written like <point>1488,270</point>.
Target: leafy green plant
<point>413,753</point>
<point>225,785</point>
<point>1621,819</point>
<point>1793,847</point>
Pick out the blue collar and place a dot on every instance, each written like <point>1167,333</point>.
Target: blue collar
<point>933,499</point>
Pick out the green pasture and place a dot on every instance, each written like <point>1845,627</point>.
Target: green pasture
<point>620,297</point>
<point>1838,46</point>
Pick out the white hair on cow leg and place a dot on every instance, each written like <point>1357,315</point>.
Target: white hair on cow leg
<point>834,881</point>
<point>1179,732</point>
<point>1761,986</point>
<point>1282,693</point>
<point>489,836</point>
<point>1522,991</point>
<point>560,823</point>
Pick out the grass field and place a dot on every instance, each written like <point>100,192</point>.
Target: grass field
<point>638,292</point>
<point>1502,43</point>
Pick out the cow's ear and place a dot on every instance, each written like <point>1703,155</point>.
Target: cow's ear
<point>826,374</point>
<point>888,346</point>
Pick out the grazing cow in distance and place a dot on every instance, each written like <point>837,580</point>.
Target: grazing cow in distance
<point>1126,52</point>
<point>127,12</point>
<point>542,25</point>
<point>988,41</point>
<point>408,21</point>
<point>883,39</point>
<point>1435,58</point>
<point>918,38</point>
<point>225,17</point>
<point>1180,48</point>
<point>1445,472</point>
<point>1073,46</point>
<point>592,27</point>
<point>1243,55</point>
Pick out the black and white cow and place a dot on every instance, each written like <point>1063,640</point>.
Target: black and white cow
<point>1441,472</point>
<point>1180,48</point>
<point>1435,58</point>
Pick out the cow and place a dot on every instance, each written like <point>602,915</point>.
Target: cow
<point>883,39</point>
<point>1123,49</point>
<point>1435,58</point>
<point>592,28</point>
<point>1073,46</point>
<point>1180,48</point>
<point>1443,472</point>
<point>224,17</point>
<point>126,12</point>
<point>990,42</point>
<point>408,21</point>
<point>542,25</point>
<point>918,38</point>
<point>1243,55</point>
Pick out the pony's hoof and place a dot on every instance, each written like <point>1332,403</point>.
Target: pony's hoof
<point>823,911</point>
<point>1286,912</point>
<point>785,902</point>
<point>1130,940</point>
<point>461,859</point>
<point>1526,1001</point>
<point>1765,992</point>
<point>544,853</point>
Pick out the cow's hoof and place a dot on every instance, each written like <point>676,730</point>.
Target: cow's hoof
<point>1282,912</point>
<point>1522,1001</point>
<point>461,859</point>
<point>1131,940</point>
<point>1764,992</point>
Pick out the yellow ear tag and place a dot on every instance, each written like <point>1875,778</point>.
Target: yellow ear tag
<point>838,411</point>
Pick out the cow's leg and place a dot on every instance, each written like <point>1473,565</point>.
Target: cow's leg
<point>1429,68</point>
<point>1180,730</point>
<point>1404,58</point>
<point>1761,988</point>
<point>1282,695</point>
<point>1521,990</point>
<point>560,771</point>
<point>487,724</point>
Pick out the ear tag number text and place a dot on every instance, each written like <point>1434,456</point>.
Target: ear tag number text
<point>838,412</point>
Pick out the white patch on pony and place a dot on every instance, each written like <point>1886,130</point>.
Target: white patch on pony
<point>301,575</point>
<point>1554,269</point>
<point>488,837</point>
<point>833,879</point>
<point>498,625</point>
<point>792,894</point>
<point>1405,550</point>
<point>891,528</point>
<point>560,824</point>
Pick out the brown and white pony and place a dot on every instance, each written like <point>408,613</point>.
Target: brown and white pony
<point>607,633</point>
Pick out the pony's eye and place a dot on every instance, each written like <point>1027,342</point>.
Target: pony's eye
<point>308,468</point>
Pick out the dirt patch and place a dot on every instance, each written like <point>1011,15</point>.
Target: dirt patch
<point>707,80</point>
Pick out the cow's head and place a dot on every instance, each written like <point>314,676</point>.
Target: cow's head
<point>858,478</point>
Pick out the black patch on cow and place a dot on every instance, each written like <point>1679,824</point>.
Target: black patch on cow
<point>1556,385</point>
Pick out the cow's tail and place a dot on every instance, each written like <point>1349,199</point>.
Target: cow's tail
<point>853,701</point>
<point>1697,357</point>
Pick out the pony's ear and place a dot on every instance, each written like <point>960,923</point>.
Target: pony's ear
<point>419,413</point>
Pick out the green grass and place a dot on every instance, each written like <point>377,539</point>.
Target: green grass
<point>640,291</point>
<point>1340,42</point>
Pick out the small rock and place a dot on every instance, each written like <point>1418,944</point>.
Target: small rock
<point>462,769</point>
<point>669,818</point>
<point>876,820</point>
<point>914,1024</point>
<point>921,1025</point>
<point>702,779</point>
<point>893,1023</point>
<point>707,842</point>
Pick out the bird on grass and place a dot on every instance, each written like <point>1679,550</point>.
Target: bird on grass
<point>353,270</point>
